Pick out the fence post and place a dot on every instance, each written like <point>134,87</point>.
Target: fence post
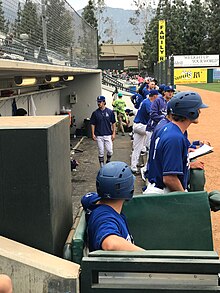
<point>172,70</point>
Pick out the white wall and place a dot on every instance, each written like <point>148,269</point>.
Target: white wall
<point>87,87</point>
<point>46,103</point>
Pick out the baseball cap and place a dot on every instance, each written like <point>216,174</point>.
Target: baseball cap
<point>162,87</point>
<point>119,94</point>
<point>89,199</point>
<point>169,88</point>
<point>153,92</point>
<point>100,99</point>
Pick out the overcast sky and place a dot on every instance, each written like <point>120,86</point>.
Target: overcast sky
<point>126,4</point>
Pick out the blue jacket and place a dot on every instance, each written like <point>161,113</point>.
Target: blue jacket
<point>158,112</point>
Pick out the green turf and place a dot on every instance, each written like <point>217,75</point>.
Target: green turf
<point>214,87</point>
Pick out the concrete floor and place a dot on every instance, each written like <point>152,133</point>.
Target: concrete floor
<point>84,179</point>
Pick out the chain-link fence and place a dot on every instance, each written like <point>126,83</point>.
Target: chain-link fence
<point>46,31</point>
<point>164,71</point>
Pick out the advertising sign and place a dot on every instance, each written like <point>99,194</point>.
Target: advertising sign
<point>196,60</point>
<point>190,75</point>
<point>161,40</point>
<point>216,75</point>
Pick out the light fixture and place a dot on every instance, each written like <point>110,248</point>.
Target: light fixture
<point>68,77</point>
<point>49,78</point>
<point>24,81</point>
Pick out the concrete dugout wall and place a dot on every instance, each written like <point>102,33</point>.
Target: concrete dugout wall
<point>34,271</point>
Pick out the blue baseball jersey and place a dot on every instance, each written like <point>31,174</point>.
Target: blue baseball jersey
<point>145,92</point>
<point>168,156</point>
<point>143,113</point>
<point>103,221</point>
<point>158,112</point>
<point>136,100</point>
<point>103,120</point>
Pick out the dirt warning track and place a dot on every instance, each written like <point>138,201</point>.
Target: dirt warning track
<point>209,129</point>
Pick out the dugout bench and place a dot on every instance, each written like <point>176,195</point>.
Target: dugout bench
<point>175,229</point>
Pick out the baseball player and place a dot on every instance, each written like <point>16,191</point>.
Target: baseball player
<point>119,106</point>
<point>159,107</point>
<point>168,157</point>
<point>103,129</point>
<point>139,129</point>
<point>107,226</point>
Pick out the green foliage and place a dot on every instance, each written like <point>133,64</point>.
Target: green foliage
<point>28,23</point>
<point>213,8</point>
<point>59,26</point>
<point>189,29</point>
<point>89,14</point>
<point>196,30</point>
<point>17,23</point>
<point>149,49</point>
<point>2,19</point>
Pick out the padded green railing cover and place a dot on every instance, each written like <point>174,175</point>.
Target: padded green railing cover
<point>197,180</point>
<point>176,221</point>
<point>78,240</point>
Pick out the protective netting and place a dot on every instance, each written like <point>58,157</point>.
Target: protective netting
<point>46,31</point>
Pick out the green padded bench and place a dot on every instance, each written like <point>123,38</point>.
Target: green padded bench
<point>175,221</point>
<point>175,229</point>
<point>75,245</point>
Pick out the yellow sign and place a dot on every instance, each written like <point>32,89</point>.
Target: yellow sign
<point>190,75</point>
<point>161,40</point>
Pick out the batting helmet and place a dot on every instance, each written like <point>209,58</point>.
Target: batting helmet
<point>186,104</point>
<point>115,181</point>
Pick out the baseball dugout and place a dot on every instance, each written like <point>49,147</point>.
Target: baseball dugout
<point>175,229</point>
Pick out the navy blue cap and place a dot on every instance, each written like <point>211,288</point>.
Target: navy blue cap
<point>100,99</point>
<point>89,199</point>
<point>153,92</point>
<point>162,87</point>
<point>169,88</point>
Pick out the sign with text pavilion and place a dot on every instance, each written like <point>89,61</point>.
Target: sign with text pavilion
<point>161,40</point>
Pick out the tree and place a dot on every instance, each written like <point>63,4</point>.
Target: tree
<point>2,18</point>
<point>29,23</point>
<point>213,26</point>
<point>17,22</point>
<point>179,18</point>
<point>93,14</point>
<point>142,15</point>
<point>196,28</point>
<point>149,49</point>
<point>89,14</point>
<point>59,26</point>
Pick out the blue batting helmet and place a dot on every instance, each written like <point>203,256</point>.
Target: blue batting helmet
<point>186,104</point>
<point>115,181</point>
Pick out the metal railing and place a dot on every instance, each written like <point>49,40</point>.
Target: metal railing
<point>164,71</point>
<point>46,31</point>
<point>113,82</point>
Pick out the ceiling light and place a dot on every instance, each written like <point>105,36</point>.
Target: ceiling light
<point>24,81</point>
<point>68,77</point>
<point>52,78</point>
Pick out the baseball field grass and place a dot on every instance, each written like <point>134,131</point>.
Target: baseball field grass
<point>214,87</point>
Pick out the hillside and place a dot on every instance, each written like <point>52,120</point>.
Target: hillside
<point>114,24</point>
